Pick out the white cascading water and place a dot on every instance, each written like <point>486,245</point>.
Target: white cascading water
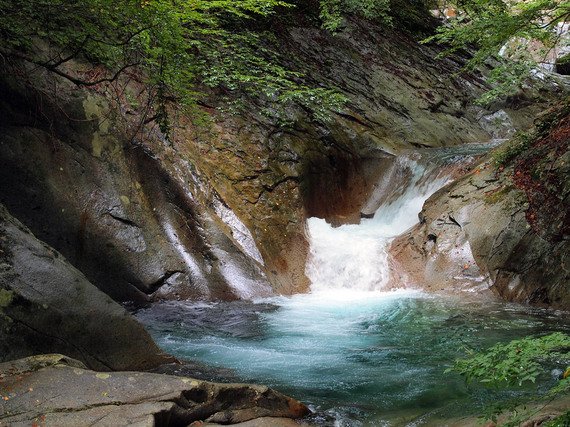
<point>355,256</point>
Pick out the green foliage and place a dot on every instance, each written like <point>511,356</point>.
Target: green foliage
<point>514,364</point>
<point>175,46</point>
<point>331,11</point>
<point>512,29</point>
<point>413,17</point>
<point>561,421</point>
<point>506,78</point>
<point>178,47</point>
<point>513,411</point>
<point>512,148</point>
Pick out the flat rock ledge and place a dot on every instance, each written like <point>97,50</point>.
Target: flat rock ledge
<point>55,390</point>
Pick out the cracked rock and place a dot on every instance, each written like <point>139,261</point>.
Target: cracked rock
<point>56,390</point>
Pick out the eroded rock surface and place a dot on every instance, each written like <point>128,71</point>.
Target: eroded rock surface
<point>47,305</point>
<point>130,219</point>
<point>56,390</point>
<point>218,212</point>
<point>503,227</point>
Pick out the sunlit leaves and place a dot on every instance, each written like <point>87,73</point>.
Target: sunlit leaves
<point>514,363</point>
<point>174,46</point>
<point>522,32</point>
<point>490,24</point>
<point>242,7</point>
<point>331,11</point>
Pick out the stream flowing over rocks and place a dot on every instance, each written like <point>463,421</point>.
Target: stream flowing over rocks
<point>504,229</point>
<point>97,207</point>
<point>219,212</point>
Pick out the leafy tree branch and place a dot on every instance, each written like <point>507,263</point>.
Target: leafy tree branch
<point>512,365</point>
<point>175,46</point>
<point>522,33</point>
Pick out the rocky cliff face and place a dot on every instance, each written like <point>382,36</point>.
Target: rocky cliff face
<point>504,226</point>
<point>125,215</point>
<point>218,212</point>
<point>47,305</point>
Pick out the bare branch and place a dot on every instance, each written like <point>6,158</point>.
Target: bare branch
<point>55,70</point>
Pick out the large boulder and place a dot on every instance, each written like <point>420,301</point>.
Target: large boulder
<point>505,226</point>
<point>131,217</point>
<point>56,390</point>
<point>47,305</point>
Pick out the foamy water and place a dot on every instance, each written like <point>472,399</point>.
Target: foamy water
<point>355,256</point>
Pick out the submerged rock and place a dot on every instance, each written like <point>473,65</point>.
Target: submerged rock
<point>56,390</point>
<point>47,305</point>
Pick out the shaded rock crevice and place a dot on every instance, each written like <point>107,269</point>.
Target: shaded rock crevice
<point>164,279</point>
<point>125,221</point>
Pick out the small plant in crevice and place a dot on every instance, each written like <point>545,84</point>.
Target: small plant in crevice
<point>509,150</point>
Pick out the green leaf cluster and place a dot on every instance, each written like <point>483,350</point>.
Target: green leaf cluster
<point>174,46</point>
<point>522,31</point>
<point>508,151</point>
<point>491,24</point>
<point>332,11</point>
<point>514,364</point>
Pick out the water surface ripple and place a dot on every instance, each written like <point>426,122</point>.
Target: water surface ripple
<point>367,361</point>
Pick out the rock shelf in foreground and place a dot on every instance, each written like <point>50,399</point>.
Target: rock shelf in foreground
<point>57,390</point>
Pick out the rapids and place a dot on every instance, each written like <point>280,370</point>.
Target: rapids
<point>356,354</point>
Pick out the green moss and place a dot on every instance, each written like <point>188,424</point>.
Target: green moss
<point>538,169</point>
<point>500,195</point>
<point>519,144</point>
<point>6,297</point>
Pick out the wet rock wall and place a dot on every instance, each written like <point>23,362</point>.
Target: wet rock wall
<point>503,227</point>
<point>218,211</point>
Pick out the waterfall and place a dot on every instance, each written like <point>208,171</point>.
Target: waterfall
<point>353,258</point>
<point>356,355</point>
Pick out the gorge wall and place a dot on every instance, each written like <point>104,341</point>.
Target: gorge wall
<point>218,212</point>
<point>97,206</point>
<point>47,305</point>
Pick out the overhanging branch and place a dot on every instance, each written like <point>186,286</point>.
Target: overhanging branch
<point>54,68</point>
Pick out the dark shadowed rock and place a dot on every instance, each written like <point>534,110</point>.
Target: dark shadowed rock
<point>55,390</point>
<point>47,305</point>
<point>133,221</point>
